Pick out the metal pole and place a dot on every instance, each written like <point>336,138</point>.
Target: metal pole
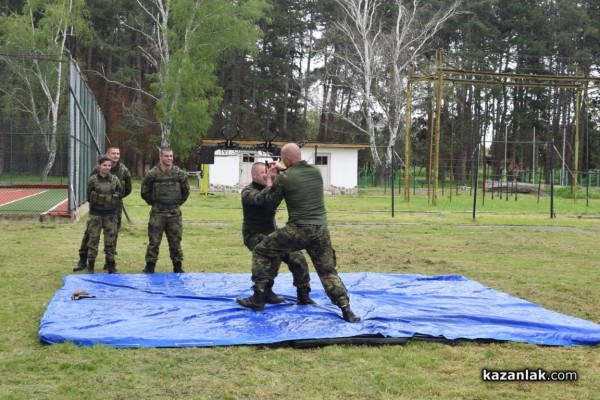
<point>431,141</point>
<point>407,141</point>
<point>576,150</point>
<point>476,173</point>
<point>438,130</point>
<point>506,158</point>
<point>552,179</point>
<point>533,159</point>
<point>393,177</point>
<point>414,179</point>
<point>484,173</point>
<point>505,161</point>
<point>562,171</point>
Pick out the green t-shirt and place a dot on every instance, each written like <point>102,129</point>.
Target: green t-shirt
<point>303,194</point>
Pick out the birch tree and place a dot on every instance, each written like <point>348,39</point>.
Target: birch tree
<point>183,40</point>
<point>33,45</point>
<point>384,39</point>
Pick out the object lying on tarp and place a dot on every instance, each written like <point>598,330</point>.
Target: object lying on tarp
<point>81,294</point>
<point>199,310</point>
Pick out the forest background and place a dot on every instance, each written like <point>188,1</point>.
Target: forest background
<point>328,71</point>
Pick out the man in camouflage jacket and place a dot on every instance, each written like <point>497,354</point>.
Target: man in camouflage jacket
<point>165,187</point>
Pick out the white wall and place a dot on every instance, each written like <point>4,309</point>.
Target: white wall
<point>343,164</point>
<point>344,168</point>
<point>227,168</point>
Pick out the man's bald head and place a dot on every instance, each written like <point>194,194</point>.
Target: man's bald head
<point>291,154</point>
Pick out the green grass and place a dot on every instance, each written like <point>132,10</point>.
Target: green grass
<point>511,246</point>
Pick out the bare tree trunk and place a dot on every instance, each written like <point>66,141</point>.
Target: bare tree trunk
<point>322,135</point>
<point>48,166</point>
<point>380,59</point>
<point>286,95</point>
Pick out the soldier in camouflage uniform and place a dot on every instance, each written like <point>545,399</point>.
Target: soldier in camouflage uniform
<point>104,196</point>
<point>259,221</point>
<point>165,187</point>
<point>120,171</point>
<point>301,185</point>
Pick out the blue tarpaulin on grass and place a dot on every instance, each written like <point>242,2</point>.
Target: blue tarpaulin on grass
<point>199,310</point>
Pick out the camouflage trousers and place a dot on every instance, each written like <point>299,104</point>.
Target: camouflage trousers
<point>97,224</point>
<point>171,224</point>
<point>83,248</point>
<point>316,241</point>
<point>294,260</point>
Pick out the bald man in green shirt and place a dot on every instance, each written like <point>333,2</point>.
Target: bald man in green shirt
<point>259,222</point>
<point>301,186</point>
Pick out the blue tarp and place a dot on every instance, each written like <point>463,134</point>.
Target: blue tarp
<point>198,310</point>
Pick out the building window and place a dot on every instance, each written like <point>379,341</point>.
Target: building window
<point>321,160</point>
<point>248,158</point>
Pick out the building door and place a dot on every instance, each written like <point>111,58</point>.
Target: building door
<point>322,162</point>
<point>246,161</point>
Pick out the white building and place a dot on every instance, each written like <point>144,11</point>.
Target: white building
<point>338,164</point>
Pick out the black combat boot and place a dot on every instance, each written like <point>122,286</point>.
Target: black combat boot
<point>111,267</point>
<point>178,267</point>
<point>81,265</point>
<point>255,302</point>
<point>270,296</point>
<point>348,315</point>
<point>90,267</point>
<point>304,297</point>
<point>149,269</point>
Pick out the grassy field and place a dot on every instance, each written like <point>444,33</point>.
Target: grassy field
<point>512,246</point>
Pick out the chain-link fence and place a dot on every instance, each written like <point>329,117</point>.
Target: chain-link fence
<point>24,154</point>
<point>45,170</point>
<point>33,168</point>
<point>87,133</point>
<point>419,179</point>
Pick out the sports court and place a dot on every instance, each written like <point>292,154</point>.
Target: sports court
<point>23,200</point>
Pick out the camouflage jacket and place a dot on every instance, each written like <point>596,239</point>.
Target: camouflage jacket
<point>259,212</point>
<point>165,190</point>
<point>121,172</point>
<point>103,194</point>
